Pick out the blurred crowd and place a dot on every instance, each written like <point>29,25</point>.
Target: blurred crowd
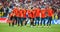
<point>6,6</point>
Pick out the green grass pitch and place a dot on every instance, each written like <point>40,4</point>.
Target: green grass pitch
<point>6,28</point>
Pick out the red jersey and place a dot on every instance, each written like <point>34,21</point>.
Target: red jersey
<point>16,11</point>
<point>33,13</point>
<point>11,14</point>
<point>43,13</point>
<point>50,12</point>
<point>24,13</point>
<point>21,13</point>
<point>38,11</point>
<point>29,13</point>
<point>17,14</point>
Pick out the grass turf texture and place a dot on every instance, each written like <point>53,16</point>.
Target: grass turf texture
<point>6,28</point>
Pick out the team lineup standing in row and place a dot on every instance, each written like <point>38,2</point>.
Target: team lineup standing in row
<point>19,16</point>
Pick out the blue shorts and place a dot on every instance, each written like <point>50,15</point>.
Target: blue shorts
<point>38,18</point>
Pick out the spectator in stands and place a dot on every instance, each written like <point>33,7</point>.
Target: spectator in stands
<point>58,13</point>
